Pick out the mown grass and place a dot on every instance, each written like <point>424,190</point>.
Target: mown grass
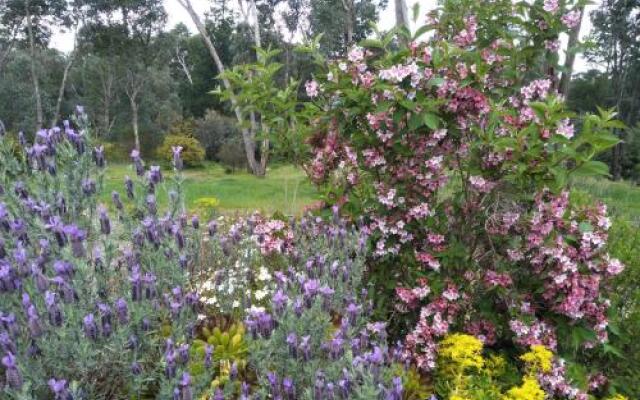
<point>284,189</point>
<point>287,190</point>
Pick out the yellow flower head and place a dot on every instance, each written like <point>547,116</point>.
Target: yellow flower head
<point>530,390</point>
<point>463,350</point>
<point>538,359</point>
<point>618,397</point>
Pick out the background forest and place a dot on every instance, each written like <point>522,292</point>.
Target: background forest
<point>141,80</point>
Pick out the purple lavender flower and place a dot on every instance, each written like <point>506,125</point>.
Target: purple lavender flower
<point>195,222</point>
<point>7,344</point>
<point>305,347</point>
<point>273,383</point>
<point>76,237</point>
<point>33,322</point>
<point>98,156</point>
<point>288,388</point>
<point>218,395</point>
<point>59,388</point>
<point>292,342</point>
<point>136,368</point>
<point>183,352</point>
<point>233,373</point>
<point>89,326</point>
<point>128,184</point>
<point>149,280</point>
<point>13,377</point>
<point>185,387</point>
<point>105,223</point>
<point>115,198</point>
<point>136,284</point>
<point>152,206</point>
<point>55,314</point>
<point>170,364</point>
<point>88,187</point>
<point>179,236</point>
<point>137,162</point>
<point>279,301</point>
<point>213,228</point>
<point>155,174</point>
<point>208,353</point>
<point>396,391</point>
<point>319,385</point>
<point>177,158</point>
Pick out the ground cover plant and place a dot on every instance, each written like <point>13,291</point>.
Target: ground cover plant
<point>453,262</point>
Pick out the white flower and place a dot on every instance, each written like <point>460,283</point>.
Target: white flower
<point>264,275</point>
<point>235,304</point>
<point>260,294</point>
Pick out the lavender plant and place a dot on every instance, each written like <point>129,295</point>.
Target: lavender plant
<point>90,298</point>
<point>315,342</point>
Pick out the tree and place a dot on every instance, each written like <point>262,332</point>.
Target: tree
<point>128,31</point>
<point>342,22</point>
<point>248,133</point>
<point>617,38</point>
<point>35,17</point>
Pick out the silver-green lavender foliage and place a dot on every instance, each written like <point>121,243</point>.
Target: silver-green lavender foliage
<point>317,343</point>
<point>88,294</point>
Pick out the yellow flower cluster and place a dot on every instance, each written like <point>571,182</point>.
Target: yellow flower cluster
<point>529,390</point>
<point>618,397</point>
<point>538,359</point>
<point>463,350</point>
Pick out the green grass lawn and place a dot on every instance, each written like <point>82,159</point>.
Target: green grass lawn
<point>285,188</point>
<point>622,198</point>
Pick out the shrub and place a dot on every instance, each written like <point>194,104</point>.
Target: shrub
<point>232,155</point>
<point>192,151</point>
<point>457,151</point>
<point>213,130</point>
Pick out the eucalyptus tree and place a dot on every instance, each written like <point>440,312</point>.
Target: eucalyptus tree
<point>32,22</point>
<point>616,36</point>
<point>124,34</point>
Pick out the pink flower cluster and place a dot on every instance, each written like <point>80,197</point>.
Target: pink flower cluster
<point>551,6</point>
<point>467,36</point>
<point>572,18</point>
<point>573,274</point>
<point>436,318</point>
<point>272,236</point>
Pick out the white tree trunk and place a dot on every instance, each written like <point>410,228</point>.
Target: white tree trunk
<point>63,85</point>
<point>34,72</point>
<point>248,136</point>
<point>402,15</point>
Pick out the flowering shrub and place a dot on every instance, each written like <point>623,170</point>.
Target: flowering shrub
<point>458,152</point>
<point>86,301</point>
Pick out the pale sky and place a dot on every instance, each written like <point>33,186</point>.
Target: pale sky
<point>64,40</point>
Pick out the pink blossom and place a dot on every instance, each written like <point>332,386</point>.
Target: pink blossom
<point>572,18</point>
<point>467,36</point>
<point>565,128</point>
<point>356,54</point>
<point>312,88</point>
<point>552,45</point>
<point>481,184</point>
<point>551,6</point>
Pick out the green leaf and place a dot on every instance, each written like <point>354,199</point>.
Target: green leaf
<point>415,122</point>
<point>431,120</point>
<point>592,168</point>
